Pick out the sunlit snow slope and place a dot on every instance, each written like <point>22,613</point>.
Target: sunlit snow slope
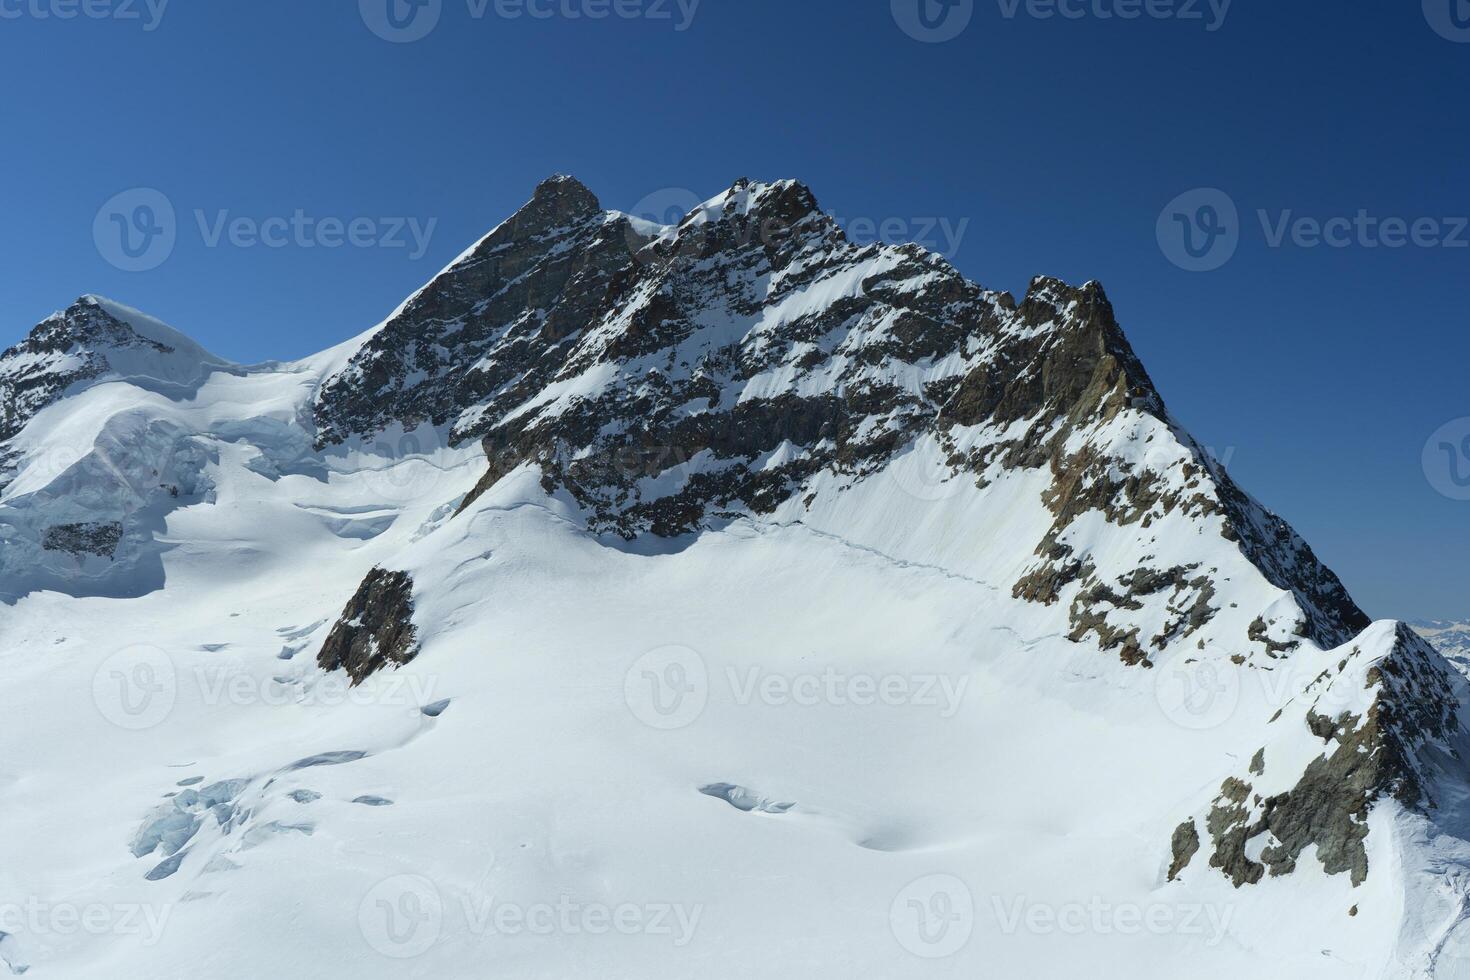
<point>723,599</point>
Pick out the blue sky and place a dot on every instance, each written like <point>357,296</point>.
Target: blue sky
<point>1018,139</point>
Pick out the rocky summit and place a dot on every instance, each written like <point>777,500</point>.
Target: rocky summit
<point>649,566</point>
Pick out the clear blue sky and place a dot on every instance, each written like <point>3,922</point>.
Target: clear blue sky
<point>1319,372</point>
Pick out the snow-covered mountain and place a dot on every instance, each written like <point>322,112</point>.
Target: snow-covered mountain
<point>717,599</point>
<point>1452,639</point>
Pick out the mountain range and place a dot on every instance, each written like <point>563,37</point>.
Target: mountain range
<point>718,598</point>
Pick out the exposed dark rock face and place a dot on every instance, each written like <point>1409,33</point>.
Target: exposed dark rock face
<point>376,628</point>
<point>99,538</point>
<point>1409,734</point>
<point>1185,846</point>
<point>1260,632</point>
<point>501,319</point>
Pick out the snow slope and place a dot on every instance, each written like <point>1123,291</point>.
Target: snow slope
<point>924,690</point>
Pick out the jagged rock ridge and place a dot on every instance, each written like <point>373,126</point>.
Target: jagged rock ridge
<point>752,348</point>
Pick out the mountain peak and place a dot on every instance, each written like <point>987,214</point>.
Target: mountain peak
<point>95,339</point>
<point>563,196</point>
<point>784,201</point>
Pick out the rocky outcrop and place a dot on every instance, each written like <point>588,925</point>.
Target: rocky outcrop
<point>1407,738</point>
<point>99,538</point>
<point>1185,846</point>
<point>376,628</point>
